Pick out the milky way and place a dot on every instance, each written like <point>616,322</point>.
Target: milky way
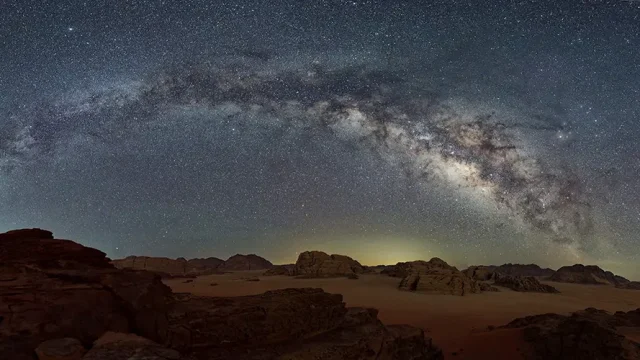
<point>377,110</point>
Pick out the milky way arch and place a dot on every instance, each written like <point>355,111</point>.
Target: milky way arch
<point>377,110</point>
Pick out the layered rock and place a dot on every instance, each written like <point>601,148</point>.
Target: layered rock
<point>320,264</point>
<point>589,274</point>
<point>524,270</point>
<point>246,262</point>
<point>436,276</point>
<point>83,297</point>
<point>484,273</point>
<point>522,283</point>
<point>588,334</point>
<point>57,288</point>
<point>480,272</point>
<point>170,267</point>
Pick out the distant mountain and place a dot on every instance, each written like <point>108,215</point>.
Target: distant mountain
<point>587,274</point>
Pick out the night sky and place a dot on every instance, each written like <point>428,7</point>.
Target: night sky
<point>481,133</point>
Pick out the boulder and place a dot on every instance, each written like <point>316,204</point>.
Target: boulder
<point>122,346</point>
<point>588,334</point>
<point>320,264</point>
<point>487,287</point>
<point>246,262</point>
<point>60,349</point>
<point>522,283</point>
<point>589,274</point>
<point>436,276</point>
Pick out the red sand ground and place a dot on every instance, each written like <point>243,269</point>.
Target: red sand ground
<point>457,324</point>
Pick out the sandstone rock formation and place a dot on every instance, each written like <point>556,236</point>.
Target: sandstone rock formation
<point>484,273</point>
<point>436,276</point>
<point>480,272</point>
<point>75,293</point>
<point>287,270</point>
<point>589,274</point>
<point>181,267</point>
<point>57,288</point>
<point>524,270</point>
<point>588,334</point>
<point>246,262</point>
<point>320,264</point>
<point>522,283</point>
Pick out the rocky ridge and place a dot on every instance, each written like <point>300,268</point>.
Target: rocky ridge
<point>589,274</point>
<point>181,267</point>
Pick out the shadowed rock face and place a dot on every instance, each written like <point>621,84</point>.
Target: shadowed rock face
<point>436,276</point>
<point>246,262</point>
<point>320,264</point>
<point>587,334</point>
<point>83,297</point>
<point>57,288</point>
<point>522,283</point>
<point>484,273</point>
<point>287,269</point>
<point>589,274</point>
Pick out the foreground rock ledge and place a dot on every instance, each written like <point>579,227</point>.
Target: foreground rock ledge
<point>588,334</point>
<point>57,289</point>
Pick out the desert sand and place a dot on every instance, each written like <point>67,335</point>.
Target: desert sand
<point>457,324</point>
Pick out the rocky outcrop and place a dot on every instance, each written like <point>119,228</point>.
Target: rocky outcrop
<point>166,267</point>
<point>263,327</point>
<point>84,297</point>
<point>320,264</point>
<point>287,270</point>
<point>436,276</point>
<point>484,273</point>
<point>524,270</point>
<point>57,288</point>
<point>589,274</point>
<point>588,334</point>
<point>246,262</point>
<point>522,283</point>
<point>480,272</point>
<point>181,267</point>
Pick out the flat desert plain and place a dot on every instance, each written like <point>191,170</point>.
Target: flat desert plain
<point>457,324</point>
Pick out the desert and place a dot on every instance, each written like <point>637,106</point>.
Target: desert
<point>62,300</point>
